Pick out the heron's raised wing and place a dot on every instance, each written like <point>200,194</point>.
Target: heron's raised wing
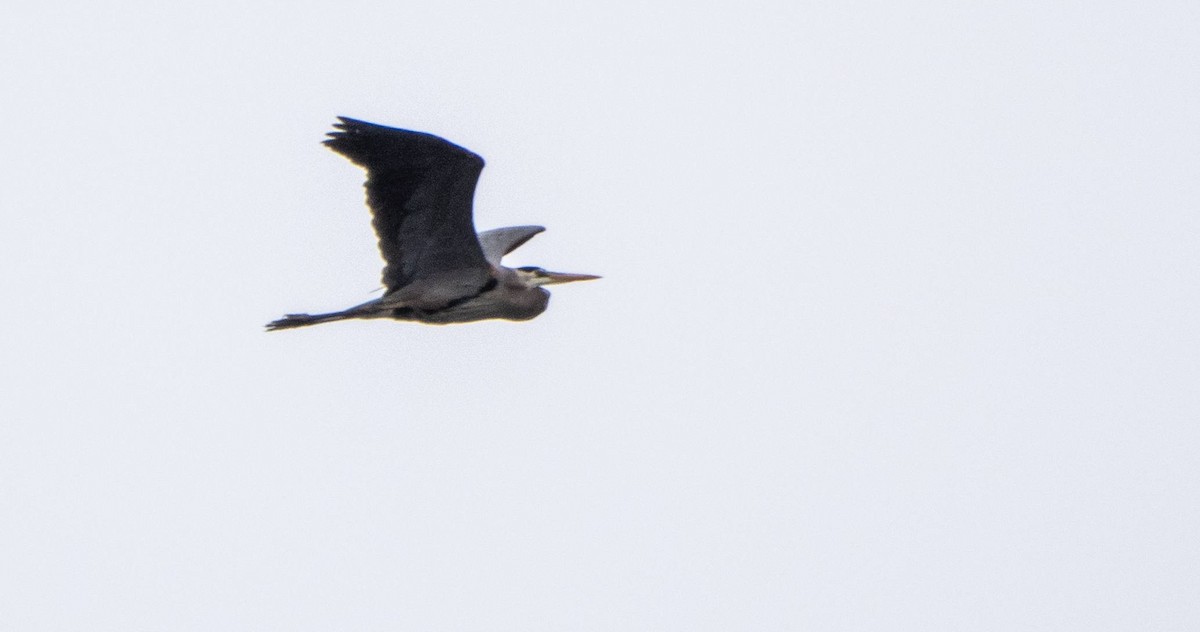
<point>420,189</point>
<point>501,241</point>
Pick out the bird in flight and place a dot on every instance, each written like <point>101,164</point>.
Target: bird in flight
<point>438,270</point>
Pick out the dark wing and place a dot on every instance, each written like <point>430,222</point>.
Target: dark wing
<point>420,189</point>
<point>501,241</point>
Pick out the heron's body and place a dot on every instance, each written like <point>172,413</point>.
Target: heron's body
<point>439,271</point>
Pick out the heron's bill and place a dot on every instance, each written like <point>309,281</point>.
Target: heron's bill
<point>567,277</point>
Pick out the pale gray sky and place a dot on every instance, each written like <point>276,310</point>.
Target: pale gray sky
<point>898,329</point>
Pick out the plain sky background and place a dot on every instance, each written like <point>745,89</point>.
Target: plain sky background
<point>898,329</point>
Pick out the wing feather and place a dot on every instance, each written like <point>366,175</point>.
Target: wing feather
<point>420,189</point>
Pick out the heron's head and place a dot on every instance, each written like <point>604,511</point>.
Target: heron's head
<point>534,276</point>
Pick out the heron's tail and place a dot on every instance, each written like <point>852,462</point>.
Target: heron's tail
<point>291,321</point>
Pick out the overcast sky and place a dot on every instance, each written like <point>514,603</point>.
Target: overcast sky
<point>897,330</point>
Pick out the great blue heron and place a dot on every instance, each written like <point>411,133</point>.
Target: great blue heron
<point>420,188</point>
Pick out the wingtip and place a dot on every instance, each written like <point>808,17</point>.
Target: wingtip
<point>344,128</point>
<point>349,133</point>
<point>346,124</point>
